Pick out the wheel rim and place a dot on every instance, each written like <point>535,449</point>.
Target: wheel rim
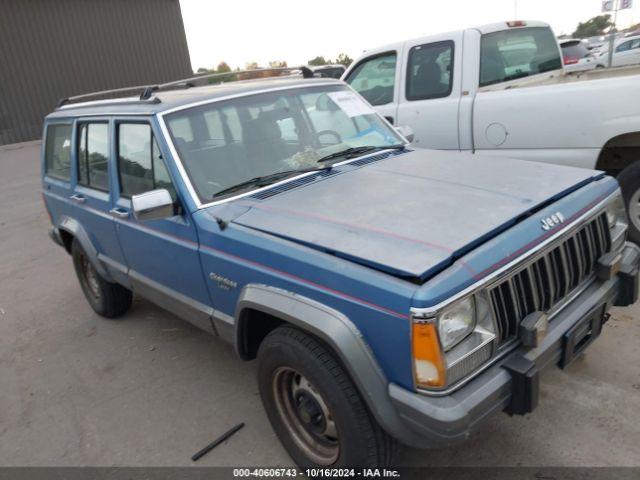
<point>634,209</point>
<point>306,416</point>
<point>90,277</point>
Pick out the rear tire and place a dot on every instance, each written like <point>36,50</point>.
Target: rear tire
<point>314,407</point>
<point>107,299</point>
<point>629,180</point>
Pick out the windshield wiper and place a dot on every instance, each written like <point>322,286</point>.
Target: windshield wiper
<point>264,180</point>
<point>352,152</point>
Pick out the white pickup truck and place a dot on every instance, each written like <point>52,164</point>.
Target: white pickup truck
<point>500,89</point>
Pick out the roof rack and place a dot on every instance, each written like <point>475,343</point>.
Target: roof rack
<point>145,92</point>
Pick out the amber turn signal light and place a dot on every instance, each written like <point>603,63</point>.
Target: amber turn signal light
<point>427,356</point>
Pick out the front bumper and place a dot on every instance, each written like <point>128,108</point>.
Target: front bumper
<point>511,383</point>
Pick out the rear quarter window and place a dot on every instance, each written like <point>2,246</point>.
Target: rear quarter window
<point>58,151</point>
<point>517,53</point>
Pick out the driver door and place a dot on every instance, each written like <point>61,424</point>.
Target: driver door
<point>162,255</point>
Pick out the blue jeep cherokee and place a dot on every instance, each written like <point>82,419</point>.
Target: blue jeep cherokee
<point>389,294</point>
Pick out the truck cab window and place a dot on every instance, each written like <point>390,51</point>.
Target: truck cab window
<point>429,73</point>
<point>375,78</point>
<point>517,53</point>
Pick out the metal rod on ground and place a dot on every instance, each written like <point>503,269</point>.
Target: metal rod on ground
<point>216,442</point>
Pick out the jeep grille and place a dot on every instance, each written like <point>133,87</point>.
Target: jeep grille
<point>550,277</point>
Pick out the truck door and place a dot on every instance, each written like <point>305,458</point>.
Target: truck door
<point>430,94</point>
<point>375,78</point>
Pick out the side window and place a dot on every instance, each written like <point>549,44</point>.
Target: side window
<point>430,71</point>
<point>93,154</point>
<point>57,156</point>
<point>140,164</point>
<point>623,47</point>
<point>517,53</point>
<point>375,78</point>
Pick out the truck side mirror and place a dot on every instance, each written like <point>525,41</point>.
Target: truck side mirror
<point>406,131</point>
<point>152,205</point>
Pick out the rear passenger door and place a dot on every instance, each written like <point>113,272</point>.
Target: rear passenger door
<point>162,255</point>
<point>429,96</point>
<point>57,169</point>
<point>91,194</point>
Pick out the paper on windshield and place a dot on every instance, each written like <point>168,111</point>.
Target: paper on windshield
<point>350,103</point>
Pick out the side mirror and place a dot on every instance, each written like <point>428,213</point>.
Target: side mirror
<point>406,131</point>
<point>152,205</point>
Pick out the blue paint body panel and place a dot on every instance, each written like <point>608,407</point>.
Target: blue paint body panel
<point>409,230</point>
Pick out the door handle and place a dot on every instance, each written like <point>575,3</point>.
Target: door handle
<point>78,198</point>
<point>119,213</point>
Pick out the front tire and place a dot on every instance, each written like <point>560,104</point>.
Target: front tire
<point>107,299</point>
<point>314,407</point>
<point>629,180</point>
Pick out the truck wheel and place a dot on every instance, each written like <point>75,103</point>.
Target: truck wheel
<point>107,299</point>
<point>629,180</point>
<point>314,407</point>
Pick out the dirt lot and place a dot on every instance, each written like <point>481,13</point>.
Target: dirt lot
<point>149,389</point>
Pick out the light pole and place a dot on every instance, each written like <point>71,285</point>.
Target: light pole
<point>612,34</point>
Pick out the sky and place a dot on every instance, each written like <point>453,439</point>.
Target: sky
<point>242,31</point>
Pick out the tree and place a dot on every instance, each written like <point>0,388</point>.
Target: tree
<point>344,59</point>
<point>278,64</point>
<point>593,27</point>
<point>317,61</point>
<point>223,68</point>
<point>203,70</point>
<point>252,66</point>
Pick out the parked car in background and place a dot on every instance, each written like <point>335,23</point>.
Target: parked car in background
<point>388,293</point>
<point>501,89</point>
<point>328,71</point>
<point>576,56</point>
<point>626,52</point>
<point>596,43</point>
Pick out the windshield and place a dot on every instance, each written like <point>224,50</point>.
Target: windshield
<point>227,143</point>
<point>518,53</point>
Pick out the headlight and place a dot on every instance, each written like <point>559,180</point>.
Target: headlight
<point>452,344</point>
<point>617,221</point>
<point>455,323</point>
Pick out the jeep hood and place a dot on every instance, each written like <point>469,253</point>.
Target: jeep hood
<point>413,213</point>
